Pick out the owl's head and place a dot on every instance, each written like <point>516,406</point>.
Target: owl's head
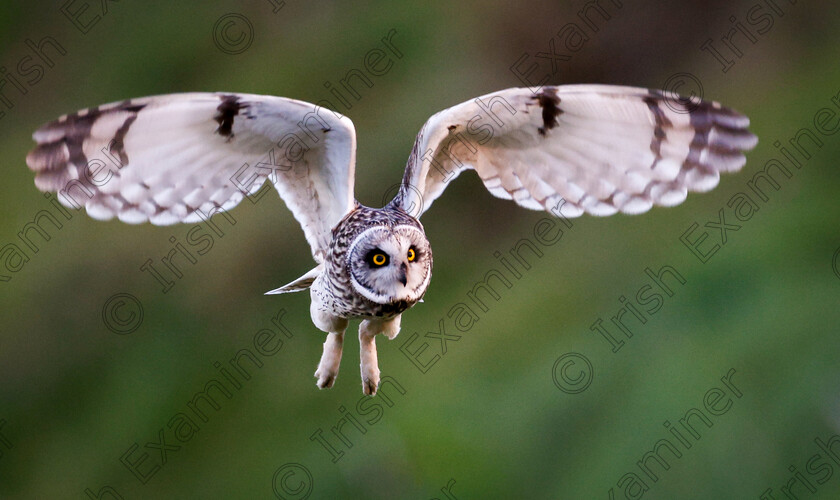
<point>390,264</point>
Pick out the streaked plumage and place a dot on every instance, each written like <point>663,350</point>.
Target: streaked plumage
<point>570,150</point>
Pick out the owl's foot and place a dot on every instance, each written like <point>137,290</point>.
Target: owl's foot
<point>325,378</point>
<point>331,359</point>
<point>370,379</point>
<point>392,328</point>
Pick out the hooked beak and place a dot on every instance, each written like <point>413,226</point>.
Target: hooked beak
<point>402,278</point>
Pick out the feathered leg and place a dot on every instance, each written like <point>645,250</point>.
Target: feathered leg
<point>331,358</point>
<point>327,370</point>
<point>368,329</point>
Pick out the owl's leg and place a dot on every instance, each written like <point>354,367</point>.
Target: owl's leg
<point>327,370</point>
<point>367,348</point>
<point>368,329</point>
<point>331,358</point>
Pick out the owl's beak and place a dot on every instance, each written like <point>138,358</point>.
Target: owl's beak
<point>402,278</point>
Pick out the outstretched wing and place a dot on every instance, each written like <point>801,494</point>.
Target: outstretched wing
<point>184,157</point>
<point>571,149</point>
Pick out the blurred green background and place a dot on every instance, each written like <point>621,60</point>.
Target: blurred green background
<point>75,397</point>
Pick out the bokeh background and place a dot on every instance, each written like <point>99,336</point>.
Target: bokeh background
<point>75,396</point>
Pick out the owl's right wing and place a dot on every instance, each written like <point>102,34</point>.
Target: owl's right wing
<point>184,157</point>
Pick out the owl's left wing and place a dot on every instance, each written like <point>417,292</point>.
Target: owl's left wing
<point>598,149</point>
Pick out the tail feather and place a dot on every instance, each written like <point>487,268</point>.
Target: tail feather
<point>299,284</point>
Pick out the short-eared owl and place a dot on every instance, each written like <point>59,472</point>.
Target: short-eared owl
<point>570,149</point>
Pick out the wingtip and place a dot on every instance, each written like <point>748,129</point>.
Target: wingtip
<point>752,141</point>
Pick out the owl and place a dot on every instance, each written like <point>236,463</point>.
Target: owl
<point>569,150</point>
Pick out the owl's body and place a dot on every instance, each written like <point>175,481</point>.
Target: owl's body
<point>333,291</point>
<point>350,285</point>
<point>569,150</point>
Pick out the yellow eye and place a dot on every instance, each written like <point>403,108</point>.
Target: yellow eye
<point>379,259</point>
<point>411,255</point>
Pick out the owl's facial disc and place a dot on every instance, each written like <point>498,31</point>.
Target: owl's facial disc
<point>390,264</point>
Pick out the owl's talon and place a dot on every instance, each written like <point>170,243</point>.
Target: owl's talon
<point>370,383</point>
<point>325,380</point>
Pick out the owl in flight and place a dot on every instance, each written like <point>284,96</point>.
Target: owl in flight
<point>570,149</point>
